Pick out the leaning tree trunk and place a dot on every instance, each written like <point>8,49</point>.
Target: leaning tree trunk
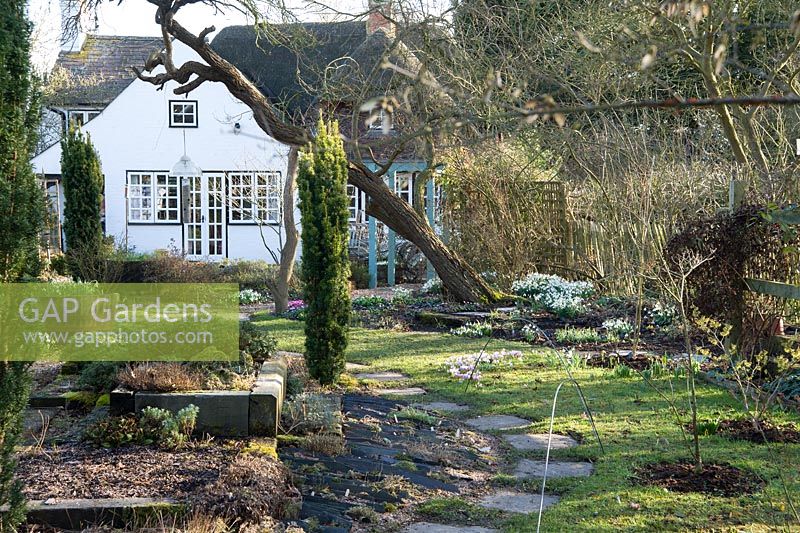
<point>289,250</point>
<point>458,277</point>
<point>461,280</point>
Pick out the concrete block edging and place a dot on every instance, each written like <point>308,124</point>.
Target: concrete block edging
<point>254,413</point>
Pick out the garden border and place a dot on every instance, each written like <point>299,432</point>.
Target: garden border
<point>254,413</point>
<point>77,514</point>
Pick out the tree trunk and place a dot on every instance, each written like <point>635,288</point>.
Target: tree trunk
<point>459,278</point>
<point>289,250</point>
<point>725,117</point>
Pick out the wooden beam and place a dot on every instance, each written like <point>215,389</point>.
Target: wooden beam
<point>736,191</point>
<point>392,256</point>
<point>430,272</point>
<point>373,253</point>
<point>773,288</point>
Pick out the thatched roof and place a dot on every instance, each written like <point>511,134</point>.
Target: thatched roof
<point>299,65</point>
<point>289,62</point>
<point>101,70</point>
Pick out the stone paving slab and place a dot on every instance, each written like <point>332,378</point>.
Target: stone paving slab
<point>410,391</point>
<point>447,407</point>
<point>538,441</point>
<point>427,527</point>
<point>35,419</point>
<point>498,422</point>
<point>382,376</point>
<point>517,502</point>
<point>529,469</point>
<point>473,314</point>
<point>289,355</point>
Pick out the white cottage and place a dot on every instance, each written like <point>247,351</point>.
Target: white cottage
<point>150,142</point>
<point>196,173</point>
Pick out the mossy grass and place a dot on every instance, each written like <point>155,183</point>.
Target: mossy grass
<point>633,420</point>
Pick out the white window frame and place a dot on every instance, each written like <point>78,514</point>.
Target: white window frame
<point>255,197</point>
<point>357,204</point>
<point>167,191</point>
<point>85,115</point>
<point>406,194</point>
<point>268,193</point>
<point>145,204</point>
<point>183,113</point>
<point>240,197</point>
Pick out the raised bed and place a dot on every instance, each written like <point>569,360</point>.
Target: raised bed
<point>78,514</point>
<point>222,413</point>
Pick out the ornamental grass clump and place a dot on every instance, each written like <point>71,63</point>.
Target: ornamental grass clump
<point>468,367</point>
<point>554,293</point>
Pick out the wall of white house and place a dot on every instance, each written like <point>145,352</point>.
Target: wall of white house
<point>133,133</point>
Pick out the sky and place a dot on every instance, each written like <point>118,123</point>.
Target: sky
<point>136,17</point>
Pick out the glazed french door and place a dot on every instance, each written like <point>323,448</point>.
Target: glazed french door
<point>204,227</point>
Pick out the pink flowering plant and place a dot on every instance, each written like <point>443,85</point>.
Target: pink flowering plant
<point>296,309</point>
<point>295,305</point>
<point>468,367</point>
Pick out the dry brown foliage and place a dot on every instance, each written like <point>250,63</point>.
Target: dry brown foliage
<point>248,490</point>
<point>160,377</point>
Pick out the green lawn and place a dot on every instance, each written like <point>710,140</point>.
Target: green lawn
<point>633,421</point>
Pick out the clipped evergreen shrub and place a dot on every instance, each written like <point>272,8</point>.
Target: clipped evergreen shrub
<point>83,190</point>
<point>322,182</point>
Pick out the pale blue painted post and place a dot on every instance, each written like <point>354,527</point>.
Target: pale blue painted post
<point>431,272</point>
<point>373,253</point>
<point>390,259</point>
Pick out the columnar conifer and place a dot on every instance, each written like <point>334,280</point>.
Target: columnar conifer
<point>21,221</point>
<point>83,188</point>
<point>322,183</point>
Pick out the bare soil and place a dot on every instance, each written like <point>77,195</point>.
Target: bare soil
<point>85,471</point>
<point>638,361</point>
<point>741,429</point>
<point>716,479</point>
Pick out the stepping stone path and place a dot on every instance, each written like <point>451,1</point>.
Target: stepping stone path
<point>531,469</point>
<point>378,447</point>
<point>498,422</point>
<point>517,502</point>
<point>289,355</point>
<point>538,441</point>
<point>427,527</point>
<point>473,314</point>
<point>332,486</point>
<point>382,376</point>
<point>445,407</point>
<point>410,391</point>
<point>356,367</point>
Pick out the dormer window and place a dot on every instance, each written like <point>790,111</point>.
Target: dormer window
<point>183,113</point>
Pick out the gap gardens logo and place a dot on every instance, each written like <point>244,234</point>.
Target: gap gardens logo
<point>116,322</point>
